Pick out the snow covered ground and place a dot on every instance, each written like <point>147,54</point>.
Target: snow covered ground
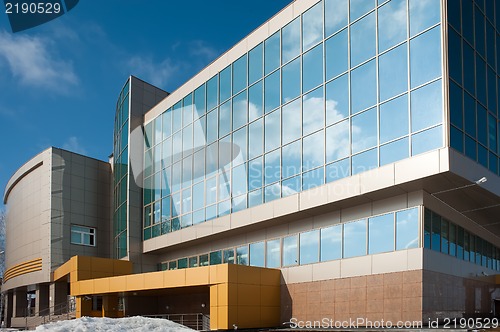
<point>135,324</point>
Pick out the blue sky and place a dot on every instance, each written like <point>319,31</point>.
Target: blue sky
<point>59,81</point>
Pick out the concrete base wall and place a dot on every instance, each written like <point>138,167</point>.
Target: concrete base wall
<point>447,296</point>
<point>389,297</point>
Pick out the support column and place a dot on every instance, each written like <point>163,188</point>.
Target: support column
<point>52,297</point>
<point>42,299</point>
<point>8,308</point>
<point>58,296</point>
<point>19,302</point>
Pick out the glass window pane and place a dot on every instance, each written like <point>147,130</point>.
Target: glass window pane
<point>468,69</point>
<point>216,257</point>
<point>336,54</point>
<point>255,101</point>
<point>309,247</point>
<point>482,125</point>
<point>272,167</point>
<point>272,91</point>
<point>76,238</point>
<point>312,73</point>
<point>290,250</point>
<point>407,229</point>
<point>331,243</point>
<point>167,124</point>
<point>272,53</point>
<point>313,179</point>
<point>240,74</point>
<point>394,151</point>
<point>240,114</point>
<point>212,92</point>
<point>364,130</point>
<point>198,196</point>
<point>456,105</point>
<point>455,61</point>
<point>453,241</point>
<point>257,254</point>
<point>292,118</point>
<point>336,14</point>
<point>291,164</point>
<point>470,115</point>
<point>291,81</point>
<point>425,57</point>
<point>355,238</point>
<point>360,7</point>
<point>313,117</point>
<point>224,119</point>
<point>255,174</point>
<point>212,126</point>
<point>291,186</point>
<point>313,151</point>
<point>436,232</point>
<point>393,69</point>
<point>479,31</point>
<point>255,139</point>
<point>481,80</point>
<point>392,27</point>
<point>364,161</point>
<point>394,111</point>
<point>273,253</point>
<point>363,38</point>
<point>381,233</point>
<point>338,170</point>
<point>193,261</point>
<point>177,115</point>
<point>272,131</point>
<point>337,141</point>
<point>445,237</point>
<point>228,256</point>
<point>312,26</point>
<point>187,110</point>
<point>225,84</point>
<point>363,87</point>
<point>204,260</point>
<point>255,64</point>
<point>199,101</point>
<point>240,146</point>
<point>423,14</point>
<point>426,106</point>
<point>290,41</point>
<point>239,182</point>
<point>337,99</point>
<point>242,255</point>
<point>492,132</point>
<point>200,129</point>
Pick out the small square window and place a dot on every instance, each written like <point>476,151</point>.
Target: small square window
<point>83,235</point>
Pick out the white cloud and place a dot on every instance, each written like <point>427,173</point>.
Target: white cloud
<point>169,69</point>
<point>32,61</point>
<point>74,145</point>
<point>199,48</point>
<point>155,73</point>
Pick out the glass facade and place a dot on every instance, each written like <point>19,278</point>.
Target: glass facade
<point>448,238</point>
<point>473,39</point>
<point>315,102</point>
<point>397,230</point>
<point>120,181</point>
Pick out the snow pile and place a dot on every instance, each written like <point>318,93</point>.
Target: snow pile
<point>135,324</point>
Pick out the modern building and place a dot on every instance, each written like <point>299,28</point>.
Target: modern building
<point>340,162</point>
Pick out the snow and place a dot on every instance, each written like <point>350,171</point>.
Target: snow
<point>135,324</point>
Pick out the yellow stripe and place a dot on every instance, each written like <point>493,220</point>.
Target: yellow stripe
<point>23,268</point>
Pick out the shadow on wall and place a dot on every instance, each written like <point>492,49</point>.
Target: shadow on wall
<point>286,302</point>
